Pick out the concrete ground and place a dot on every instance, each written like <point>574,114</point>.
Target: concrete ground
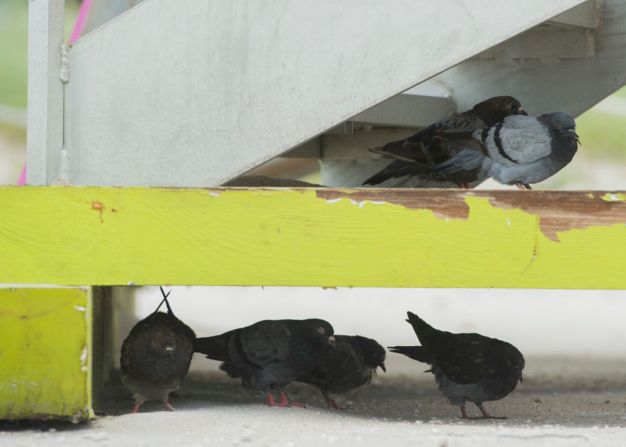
<point>562,402</point>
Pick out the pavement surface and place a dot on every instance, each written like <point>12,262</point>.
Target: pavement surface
<point>562,402</point>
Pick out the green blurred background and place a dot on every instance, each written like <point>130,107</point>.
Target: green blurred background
<point>600,164</point>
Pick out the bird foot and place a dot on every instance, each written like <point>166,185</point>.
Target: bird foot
<point>332,405</point>
<point>168,406</point>
<point>487,415</point>
<point>270,400</point>
<point>283,402</point>
<point>136,407</point>
<point>476,418</point>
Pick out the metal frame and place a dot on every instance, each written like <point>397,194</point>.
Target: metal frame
<point>45,90</point>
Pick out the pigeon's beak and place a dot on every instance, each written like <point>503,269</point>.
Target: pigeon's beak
<point>521,111</point>
<point>332,341</point>
<point>382,366</point>
<point>573,132</point>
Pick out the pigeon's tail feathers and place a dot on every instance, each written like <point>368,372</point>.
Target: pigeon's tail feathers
<point>215,348</point>
<point>464,161</point>
<point>379,177</point>
<point>423,330</point>
<point>164,300</point>
<point>414,352</point>
<point>379,150</point>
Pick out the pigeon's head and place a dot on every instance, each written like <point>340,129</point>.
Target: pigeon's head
<point>494,110</point>
<point>373,353</point>
<point>560,124</point>
<point>562,129</point>
<point>321,330</point>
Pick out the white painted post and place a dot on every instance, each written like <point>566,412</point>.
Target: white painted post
<point>45,90</point>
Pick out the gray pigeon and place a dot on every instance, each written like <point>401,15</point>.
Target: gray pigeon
<point>270,354</point>
<point>155,356</point>
<point>350,365</point>
<point>467,367</point>
<point>437,143</point>
<point>519,150</point>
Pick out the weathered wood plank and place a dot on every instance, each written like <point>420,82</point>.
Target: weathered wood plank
<point>45,353</point>
<point>313,237</point>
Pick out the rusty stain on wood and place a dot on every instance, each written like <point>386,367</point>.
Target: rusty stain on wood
<point>557,211</point>
<point>98,206</point>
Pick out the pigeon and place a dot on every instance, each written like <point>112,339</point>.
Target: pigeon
<point>467,367</point>
<point>437,143</point>
<point>350,365</point>
<point>155,356</point>
<point>519,150</point>
<point>270,354</point>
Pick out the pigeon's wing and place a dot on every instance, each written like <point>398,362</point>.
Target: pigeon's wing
<point>395,169</point>
<point>466,160</point>
<point>321,375</point>
<point>136,346</point>
<point>184,346</point>
<point>459,123</point>
<point>424,146</point>
<point>518,139</point>
<point>445,158</point>
<point>126,364</point>
<point>463,358</point>
<point>265,342</point>
<point>339,370</point>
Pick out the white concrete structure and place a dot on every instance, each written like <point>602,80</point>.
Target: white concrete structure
<point>194,94</point>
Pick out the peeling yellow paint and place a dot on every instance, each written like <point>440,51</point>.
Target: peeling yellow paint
<point>301,237</point>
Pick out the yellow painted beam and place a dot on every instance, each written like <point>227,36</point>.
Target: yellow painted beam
<point>312,237</point>
<point>45,353</point>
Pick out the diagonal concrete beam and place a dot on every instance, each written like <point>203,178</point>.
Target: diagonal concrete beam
<point>195,94</point>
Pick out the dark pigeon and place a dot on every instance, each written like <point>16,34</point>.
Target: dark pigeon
<point>519,150</point>
<point>156,356</point>
<point>467,367</point>
<point>416,155</point>
<point>270,354</point>
<point>350,365</point>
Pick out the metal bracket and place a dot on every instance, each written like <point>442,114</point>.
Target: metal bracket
<point>64,72</point>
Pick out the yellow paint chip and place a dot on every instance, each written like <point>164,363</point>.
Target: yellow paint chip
<point>614,197</point>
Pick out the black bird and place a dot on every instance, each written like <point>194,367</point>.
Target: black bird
<point>156,355</point>
<point>439,142</point>
<point>270,354</point>
<point>519,150</point>
<point>467,367</point>
<point>350,365</point>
